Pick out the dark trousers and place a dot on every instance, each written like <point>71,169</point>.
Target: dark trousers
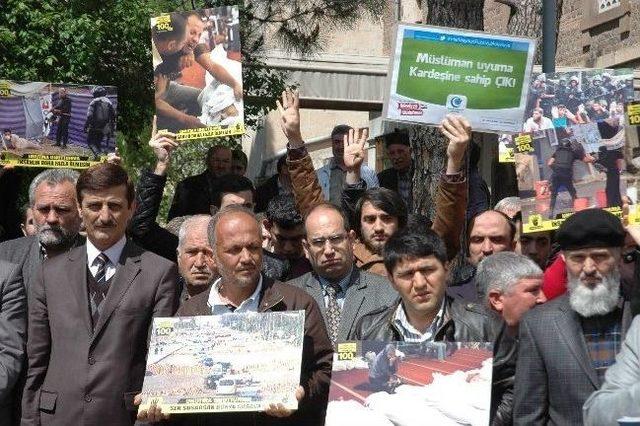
<point>62,135</point>
<point>612,189</point>
<point>94,141</point>
<point>558,180</point>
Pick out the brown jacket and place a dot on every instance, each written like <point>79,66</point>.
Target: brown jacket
<point>451,205</point>
<point>317,355</point>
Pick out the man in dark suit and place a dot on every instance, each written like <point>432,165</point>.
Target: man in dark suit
<point>194,195</point>
<point>398,177</point>
<point>343,292</point>
<point>567,344</point>
<point>90,311</point>
<point>13,328</point>
<point>52,199</point>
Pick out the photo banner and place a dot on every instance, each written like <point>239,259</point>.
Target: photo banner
<point>379,383</point>
<point>198,73</point>
<point>436,71</point>
<point>56,125</point>
<point>224,363</point>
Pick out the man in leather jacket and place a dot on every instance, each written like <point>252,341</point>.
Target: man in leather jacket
<point>513,285</point>
<point>417,267</point>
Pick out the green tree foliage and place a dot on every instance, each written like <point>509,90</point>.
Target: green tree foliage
<point>108,42</point>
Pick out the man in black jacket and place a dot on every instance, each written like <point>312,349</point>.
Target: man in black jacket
<point>513,285</point>
<point>417,267</point>
<point>399,177</point>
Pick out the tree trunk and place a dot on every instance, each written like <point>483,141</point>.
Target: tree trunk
<point>427,144</point>
<point>526,20</point>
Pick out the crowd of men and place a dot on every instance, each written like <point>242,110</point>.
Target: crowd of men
<point>78,296</point>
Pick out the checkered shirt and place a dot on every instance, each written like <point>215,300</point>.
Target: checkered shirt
<point>603,334</point>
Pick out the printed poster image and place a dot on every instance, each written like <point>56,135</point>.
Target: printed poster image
<point>56,125</point>
<point>436,71</point>
<point>633,113</point>
<point>406,384</point>
<point>564,170</point>
<point>577,97</point>
<point>198,73</point>
<point>222,363</point>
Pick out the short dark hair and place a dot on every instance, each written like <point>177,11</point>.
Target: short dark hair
<point>7,130</point>
<point>232,184</point>
<point>238,154</point>
<point>340,129</point>
<point>104,176</point>
<point>407,243</point>
<point>281,210</point>
<point>177,32</point>
<point>213,149</point>
<point>384,199</point>
<point>511,223</point>
<point>328,206</point>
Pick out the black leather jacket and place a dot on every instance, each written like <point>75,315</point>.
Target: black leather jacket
<point>505,355</point>
<point>463,322</point>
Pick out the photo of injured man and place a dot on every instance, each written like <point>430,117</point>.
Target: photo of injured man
<point>69,124</point>
<point>410,384</point>
<point>198,73</point>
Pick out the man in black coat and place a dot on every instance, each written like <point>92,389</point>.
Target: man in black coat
<point>399,177</point>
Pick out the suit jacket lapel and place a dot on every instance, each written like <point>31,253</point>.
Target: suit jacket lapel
<point>352,302</point>
<point>127,270</point>
<point>78,268</point>
<point>569,328</point>
<point>313,287</point>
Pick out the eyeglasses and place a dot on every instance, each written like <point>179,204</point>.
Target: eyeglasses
<point>334,240</point>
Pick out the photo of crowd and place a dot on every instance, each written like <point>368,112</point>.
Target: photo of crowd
<point>44,121</point>
<point>568,98</point>
<point>197,73</point>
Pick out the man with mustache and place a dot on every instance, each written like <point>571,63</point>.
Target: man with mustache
<point>52,200</point>
<point>567,344</point>
<point>195,256</point>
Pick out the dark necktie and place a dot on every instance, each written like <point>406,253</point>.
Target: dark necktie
<point>333,311</point>
<point>101,280</point>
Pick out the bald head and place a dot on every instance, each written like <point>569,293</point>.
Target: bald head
<point>490,232</point>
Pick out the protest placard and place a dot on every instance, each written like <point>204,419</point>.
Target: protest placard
<point>577,97</point>
<point>56,125</point>
<point>564,170</point>
<point>198,73</point>
<point>405,383</point>
<point>633,113</point>
<point>221,363</point>
<point>436,71</point>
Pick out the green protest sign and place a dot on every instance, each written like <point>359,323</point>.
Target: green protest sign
<point>436,71</point>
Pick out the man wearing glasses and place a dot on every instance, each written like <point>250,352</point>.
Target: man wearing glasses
<point>343,292</point>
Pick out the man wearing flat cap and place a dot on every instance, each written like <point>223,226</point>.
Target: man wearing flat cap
<point>567,344</point>
<point>398,177</point>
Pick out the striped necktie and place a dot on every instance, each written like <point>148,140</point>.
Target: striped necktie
<point>97,296</point>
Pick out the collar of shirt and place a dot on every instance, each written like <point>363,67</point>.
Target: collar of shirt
<point>220,306</point>
<point>409,332</point>
<point>342,282</point>
<point>113,253</point>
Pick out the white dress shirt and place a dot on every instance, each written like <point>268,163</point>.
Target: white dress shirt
<point>113,254</point>
<point>220,306</point>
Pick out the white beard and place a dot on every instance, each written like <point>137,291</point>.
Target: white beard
<point>599,300</point>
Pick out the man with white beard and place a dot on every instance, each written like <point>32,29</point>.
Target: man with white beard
<point>567,344</point>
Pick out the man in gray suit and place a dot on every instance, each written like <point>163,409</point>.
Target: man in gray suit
<point>567,344</point>
<point>620,392</point>
<point>52,199</point>
<point>90,311</point>
<point>13,324</point>
<point>343,292</point>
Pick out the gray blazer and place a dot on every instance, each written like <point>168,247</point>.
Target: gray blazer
<point>13,325</point>
<point>366,292</point>
<point>620,393</point>
<point>554,374</point>
<point>25,252</point>
<point>76,376</point>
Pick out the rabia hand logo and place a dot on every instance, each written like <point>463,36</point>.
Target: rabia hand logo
<point>456,103</point>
